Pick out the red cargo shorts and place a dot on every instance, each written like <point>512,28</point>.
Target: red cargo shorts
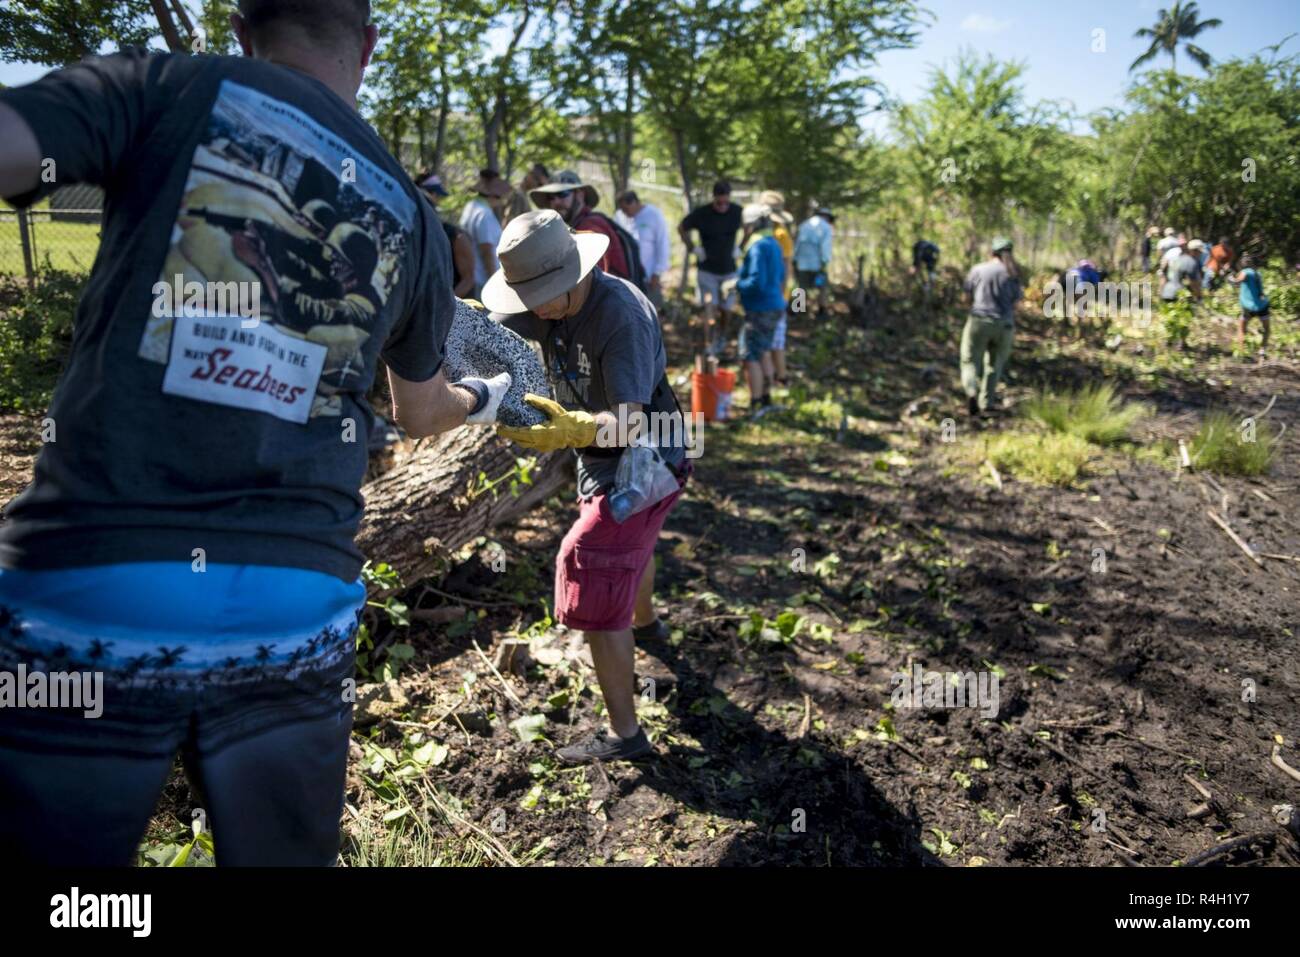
<point>601,562</point>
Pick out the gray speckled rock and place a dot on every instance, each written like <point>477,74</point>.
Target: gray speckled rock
<point>479,347</point>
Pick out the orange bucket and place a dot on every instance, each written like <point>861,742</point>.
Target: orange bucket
<point>709,391</point>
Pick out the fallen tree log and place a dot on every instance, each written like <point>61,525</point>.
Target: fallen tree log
<point>449,490</point>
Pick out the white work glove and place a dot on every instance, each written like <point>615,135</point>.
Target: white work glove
<point>698,252</point>
<point>490,393</point>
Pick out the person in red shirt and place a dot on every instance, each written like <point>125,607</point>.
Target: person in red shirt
<point>575,201</point>
<point>1220,261</point>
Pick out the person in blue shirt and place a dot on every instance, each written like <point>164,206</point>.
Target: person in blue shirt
<point>1254,304</point>
<point>761,281</point>
<point>812,254</point>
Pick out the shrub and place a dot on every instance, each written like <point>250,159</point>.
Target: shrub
<point>1054,458</point>
<point>1234,446</point>
<point>35,335</point>
<point>1094,413</point>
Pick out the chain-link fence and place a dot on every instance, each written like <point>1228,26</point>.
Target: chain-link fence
<point>63,231</point>
<point>60,232</point>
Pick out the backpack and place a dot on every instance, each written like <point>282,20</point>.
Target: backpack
<point>631,253</point>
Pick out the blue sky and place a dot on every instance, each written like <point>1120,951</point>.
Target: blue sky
<point>1054,39</point>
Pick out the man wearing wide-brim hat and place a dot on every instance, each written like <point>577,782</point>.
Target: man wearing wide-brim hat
<point>576,202</point>
<point>606,361</point>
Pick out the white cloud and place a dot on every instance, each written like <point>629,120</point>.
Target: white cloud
<point>982,23</point>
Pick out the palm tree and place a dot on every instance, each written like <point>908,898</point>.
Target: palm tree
<point>1179,25</point>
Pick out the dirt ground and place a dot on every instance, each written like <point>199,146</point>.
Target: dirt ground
<point>1123,671</point>
<point>1144,661</point>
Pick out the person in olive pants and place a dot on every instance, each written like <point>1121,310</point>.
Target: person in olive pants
<point>994,289</point>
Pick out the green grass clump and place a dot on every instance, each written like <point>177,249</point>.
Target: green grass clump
<point>1224,444</point>
<point>1094,413</point>
<point>1054,458</point>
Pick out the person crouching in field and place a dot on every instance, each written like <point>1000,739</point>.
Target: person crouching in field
<point>762,278</point>
<point>994,289</point>
<point>605,356</point>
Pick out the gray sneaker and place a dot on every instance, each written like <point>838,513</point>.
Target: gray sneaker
<point>604,746</point>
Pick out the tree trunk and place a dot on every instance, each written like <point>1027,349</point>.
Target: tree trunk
<point>492,128</point>
<point>492,135</point>
<point>183,18</point>
<point>424,508</point>
<point>168,27</point>
<point>679,141</point>
<point>444,110</point>
<point>422,132</point>
<point>622,179</point>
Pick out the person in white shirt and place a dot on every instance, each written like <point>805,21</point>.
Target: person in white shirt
<point>1167,242</point>
<point>647,223</point>
<point>1171,251</point>
<point>481,220</point>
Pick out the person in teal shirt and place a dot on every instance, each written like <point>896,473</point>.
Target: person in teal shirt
<point>1254,304</point>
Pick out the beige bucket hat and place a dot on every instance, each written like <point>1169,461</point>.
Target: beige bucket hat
<point>541,259</point>
<point>776,202</point>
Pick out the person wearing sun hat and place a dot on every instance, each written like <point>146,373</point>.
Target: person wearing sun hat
<point>781,223</point>
<point>605,357</point>
<point>761,282</point>
<point>576,202</point>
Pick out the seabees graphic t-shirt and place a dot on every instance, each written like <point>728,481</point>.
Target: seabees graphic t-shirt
<point>260,251</point>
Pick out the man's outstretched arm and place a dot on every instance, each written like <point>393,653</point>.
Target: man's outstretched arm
<point>437,406</point>
<point>20,154</point>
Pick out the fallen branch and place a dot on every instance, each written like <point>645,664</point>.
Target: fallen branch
<point>490,843</point>
<point>1204,791</point>
<point>1227,847</point>
<point>510,692</point>
<point>1158,747</point>
<point>1103,526</point>
<point>1235,537</point>
<point>1282,765</point>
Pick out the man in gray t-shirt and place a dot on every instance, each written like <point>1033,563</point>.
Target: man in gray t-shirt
<point>994,289</point>
<point>606,358</point>
<point>1184,270</point>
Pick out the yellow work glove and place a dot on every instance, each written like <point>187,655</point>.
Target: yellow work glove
<point>564,430</point>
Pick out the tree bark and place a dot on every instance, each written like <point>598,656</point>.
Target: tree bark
<point>168,26</point>
<point>183,18</point>
<point>444,110</point>
<point>425,508</point>
<point>622,178</point>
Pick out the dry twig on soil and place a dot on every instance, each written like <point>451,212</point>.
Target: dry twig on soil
<point>1234,536</point>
